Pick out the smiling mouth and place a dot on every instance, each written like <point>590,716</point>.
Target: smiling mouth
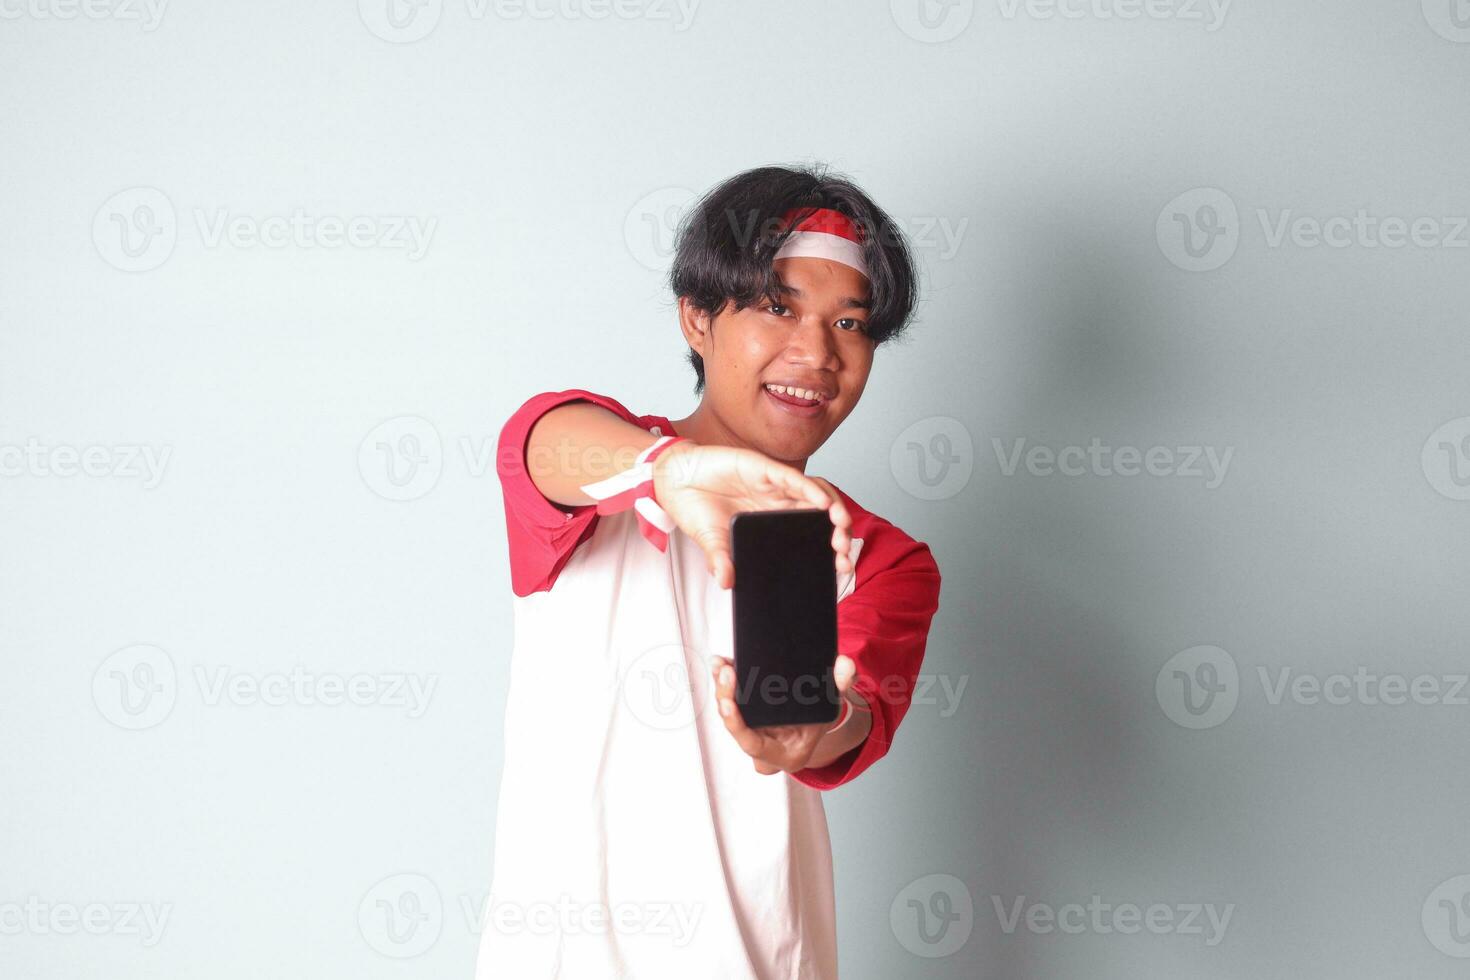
<point>798,405</point>
<point>804,397</point>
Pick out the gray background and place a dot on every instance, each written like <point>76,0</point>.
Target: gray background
<point>551,153</point>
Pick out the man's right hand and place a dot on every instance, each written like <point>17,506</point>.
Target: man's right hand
<point>701,487</point>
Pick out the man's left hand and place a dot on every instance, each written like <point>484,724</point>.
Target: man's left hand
<point>778,748</point>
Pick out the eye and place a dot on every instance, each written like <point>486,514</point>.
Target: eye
<point>854,323</point>
<point>776,308</point>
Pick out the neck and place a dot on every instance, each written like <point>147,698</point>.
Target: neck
<point>705,427</point>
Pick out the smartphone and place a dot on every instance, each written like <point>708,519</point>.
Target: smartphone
<point>784,608</point>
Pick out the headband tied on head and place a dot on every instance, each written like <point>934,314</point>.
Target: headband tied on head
<point>823,234</point>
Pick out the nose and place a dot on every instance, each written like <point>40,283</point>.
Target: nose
<point>811,344</point>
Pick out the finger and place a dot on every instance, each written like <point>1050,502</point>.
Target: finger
<point>840,516</point>
<point>715,543</point>
<point>841,536</point>
<point>749,740</point>
<point>842,549</point>
<point>721,567</point>
<point>717,664</point>
<point>800,487</point>
<point>843,672</point>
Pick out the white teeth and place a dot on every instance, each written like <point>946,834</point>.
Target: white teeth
<point>806,393</point>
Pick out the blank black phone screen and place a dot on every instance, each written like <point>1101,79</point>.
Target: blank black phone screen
<point>785,617</point>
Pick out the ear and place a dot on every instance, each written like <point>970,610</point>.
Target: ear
<point>695,324</point>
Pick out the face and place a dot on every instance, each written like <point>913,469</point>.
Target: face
<point>813,336</point>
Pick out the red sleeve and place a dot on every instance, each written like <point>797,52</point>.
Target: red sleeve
<point>883,626</point>
<point>540,534</point>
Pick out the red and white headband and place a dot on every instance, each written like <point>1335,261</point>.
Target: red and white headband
<point>823,234</point>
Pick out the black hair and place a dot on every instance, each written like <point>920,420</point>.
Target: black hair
<point>726,243</point>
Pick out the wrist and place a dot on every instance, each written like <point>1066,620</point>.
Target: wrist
<point>666,456</point>
<point>841,739</point>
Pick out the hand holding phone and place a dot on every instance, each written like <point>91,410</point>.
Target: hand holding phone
<point>703,487</point>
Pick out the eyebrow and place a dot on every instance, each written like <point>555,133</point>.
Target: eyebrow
<point>852,301</point>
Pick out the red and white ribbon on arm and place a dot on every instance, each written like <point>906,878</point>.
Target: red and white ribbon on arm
<point>634,488</point>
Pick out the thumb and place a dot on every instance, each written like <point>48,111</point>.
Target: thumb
<point>843,672</point>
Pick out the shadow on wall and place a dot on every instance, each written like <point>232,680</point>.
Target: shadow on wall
<point>1072,796</point>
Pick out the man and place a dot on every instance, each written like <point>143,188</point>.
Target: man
<point>643,829</point>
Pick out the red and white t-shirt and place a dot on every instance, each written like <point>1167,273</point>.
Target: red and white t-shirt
<point>634,838</point>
